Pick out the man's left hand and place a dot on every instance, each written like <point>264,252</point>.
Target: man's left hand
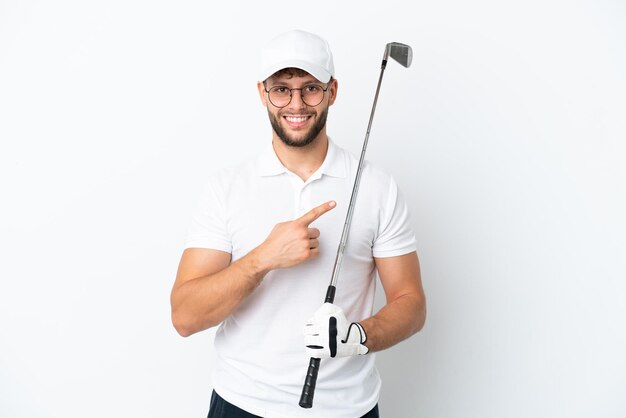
<point>329,334</point>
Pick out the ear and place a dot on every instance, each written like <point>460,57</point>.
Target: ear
<point>262,95</point>
<point>333,92</point>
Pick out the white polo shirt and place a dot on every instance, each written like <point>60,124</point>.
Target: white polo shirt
<point>261,361</point>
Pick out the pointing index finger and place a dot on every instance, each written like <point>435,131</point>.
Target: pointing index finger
<point>316,212</point>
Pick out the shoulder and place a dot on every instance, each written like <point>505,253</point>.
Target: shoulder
<point>370,170</point>
<point>224,176</point>
<point>377,174</point>
<point>372,176</point>
<point>221,183</point>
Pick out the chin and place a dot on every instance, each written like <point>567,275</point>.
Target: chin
<point>296,142</point>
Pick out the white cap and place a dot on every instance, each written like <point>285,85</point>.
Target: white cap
<point>298,49</point>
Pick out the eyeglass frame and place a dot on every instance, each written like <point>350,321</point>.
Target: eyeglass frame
<point>324,90</point>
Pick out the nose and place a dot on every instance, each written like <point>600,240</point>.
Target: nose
<point>296,99</point>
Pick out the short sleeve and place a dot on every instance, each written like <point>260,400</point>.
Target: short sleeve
<point>208,226</point>
<point>395,236</point>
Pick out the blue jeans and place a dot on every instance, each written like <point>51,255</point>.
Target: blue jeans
<point>221,408</point>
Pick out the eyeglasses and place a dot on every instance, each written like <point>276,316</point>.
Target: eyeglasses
<point>311,94</point>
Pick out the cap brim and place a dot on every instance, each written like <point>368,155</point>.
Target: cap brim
<point>315,70</point>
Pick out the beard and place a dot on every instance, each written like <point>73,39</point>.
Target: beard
<point>309,136</point>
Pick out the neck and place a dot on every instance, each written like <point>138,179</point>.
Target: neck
<point>302,161</point>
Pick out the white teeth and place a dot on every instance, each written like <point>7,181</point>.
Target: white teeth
<point>296,119</point>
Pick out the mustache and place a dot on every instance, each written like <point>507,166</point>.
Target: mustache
<point>281,114</point>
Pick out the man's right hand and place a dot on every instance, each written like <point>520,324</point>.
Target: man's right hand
<point>291,243</point>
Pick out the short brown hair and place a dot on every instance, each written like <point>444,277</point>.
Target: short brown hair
<point>291,72</point>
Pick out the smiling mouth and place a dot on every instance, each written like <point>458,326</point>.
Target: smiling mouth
<point>296,120</point>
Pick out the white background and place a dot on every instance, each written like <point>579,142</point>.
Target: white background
<point>507,137</point>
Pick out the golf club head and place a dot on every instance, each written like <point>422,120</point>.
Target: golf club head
<point>401,53</point>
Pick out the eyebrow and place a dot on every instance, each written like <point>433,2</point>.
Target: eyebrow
<point>286,83</point>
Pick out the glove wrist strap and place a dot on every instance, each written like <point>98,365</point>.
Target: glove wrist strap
<point>356,327</point>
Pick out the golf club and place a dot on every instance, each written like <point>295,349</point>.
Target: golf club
<point>403,54</point>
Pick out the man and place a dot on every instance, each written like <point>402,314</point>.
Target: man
<point>261,248</point>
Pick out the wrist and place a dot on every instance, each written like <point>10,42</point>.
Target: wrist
<point>260,265</point>
<point>369,329</point>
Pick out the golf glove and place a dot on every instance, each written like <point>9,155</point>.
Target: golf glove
<point>329,334</point>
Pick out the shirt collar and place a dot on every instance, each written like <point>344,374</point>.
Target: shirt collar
<point>334,164</point>
<point>268,163</point>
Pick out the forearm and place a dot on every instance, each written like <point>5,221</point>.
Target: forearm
<point>208,287</point>
<point>204,302</point>
<point>396,321</point>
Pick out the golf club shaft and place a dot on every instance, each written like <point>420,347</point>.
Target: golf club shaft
<point>355,188</point>
<point>308,390</point>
